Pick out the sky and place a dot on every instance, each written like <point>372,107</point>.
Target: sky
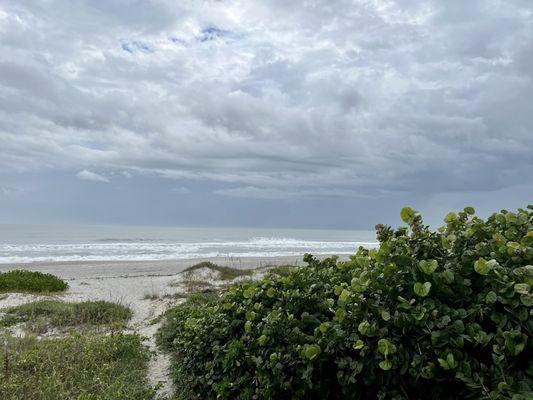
<point>265,113</point>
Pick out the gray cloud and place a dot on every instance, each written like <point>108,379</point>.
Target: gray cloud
<point>272,99</point>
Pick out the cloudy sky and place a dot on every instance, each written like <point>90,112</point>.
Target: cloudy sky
<point>275,113</point>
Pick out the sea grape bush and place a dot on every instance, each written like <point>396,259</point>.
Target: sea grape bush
<point>440,314</point>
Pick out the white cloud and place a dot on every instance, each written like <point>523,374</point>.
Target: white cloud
<point>87,175</point>
<point>326,98</point>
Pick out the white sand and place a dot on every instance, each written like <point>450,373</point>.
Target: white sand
<point>130,283</point>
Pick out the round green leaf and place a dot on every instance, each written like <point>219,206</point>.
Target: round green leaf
<point>311,351</point>
<point>385,347</point>
<point>385,315</point>
<point>491,297</point>
<point>363,327</point>
<point>522,288</point>
<point>470,210</point>
<point>359,344</point>
<point>428,266</point>
<point>340,314</point>
<point>385,365</point>
<point>407,214</point>
<point>262,340</point>
<point>422,289</point>
<point>483,267</point>
<point>450,217</point>
<point>448,276</point>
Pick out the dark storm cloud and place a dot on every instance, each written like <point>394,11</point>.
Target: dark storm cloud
<point>272,99</point>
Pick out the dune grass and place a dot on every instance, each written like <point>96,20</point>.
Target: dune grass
<point>30,282</point>
<point>282,270</point>
<point>83,367</point>
<point>43,315</point>
<point>226,273</point>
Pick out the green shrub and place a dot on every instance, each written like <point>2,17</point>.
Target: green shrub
<point>30,282</point>
<point>83,367</point>
<point>429,314</point>
<point>53,313</point>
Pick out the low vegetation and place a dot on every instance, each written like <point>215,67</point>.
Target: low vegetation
<point>83,367</point>
<point>440,314</point>
<point>42,315</point>
<point>282,270</point>
<point>30,282</point>
<point>225,273</point>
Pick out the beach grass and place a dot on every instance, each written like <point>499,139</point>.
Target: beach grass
<point>225,273</point>
<point>83,367</point>
<point>30,282</point>
<point>43,315</point>
<point>282,270</point>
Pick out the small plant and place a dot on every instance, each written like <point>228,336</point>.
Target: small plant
<point>30,282</point>
<point>225,273</point>
<point>282,270</point>
<point>76,367</point>
<point>41,315</point>
<point>440,314</point>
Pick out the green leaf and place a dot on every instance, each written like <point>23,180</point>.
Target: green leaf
<point>448,363</point>
<point>422,289</point>
<point>271,292</point>
<point>448,276</point>
<point>323,327</point>
<point>527,300</point>
<point>385,365</point>
<point>470,210</point>
<point>451,361</point>
<point>491,297</point>
<point>248,326</point>
<point>262,340</point>
<point>345,296</point>
<point>385,315</point>
<point>443,363</point>
<point>363,327</point>
<point>385,347</point>
<point>250,315</point>
<point>359,344</point>
<point>312,351</point>
<point>483,267</point>
<point>522,288</point>
<point>340,314</point>
<point>450,217</point>
<point>428,266</point>
<point>407,214</point>
<point>421,314</point>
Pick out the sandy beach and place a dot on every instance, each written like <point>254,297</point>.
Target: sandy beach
<point>105,269</point>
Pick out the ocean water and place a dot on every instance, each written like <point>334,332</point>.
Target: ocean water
<point>47,243</point>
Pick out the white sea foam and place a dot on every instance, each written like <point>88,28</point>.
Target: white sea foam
<point>145,250</point>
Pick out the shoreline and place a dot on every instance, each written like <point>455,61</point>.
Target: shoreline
<point>114,269</point>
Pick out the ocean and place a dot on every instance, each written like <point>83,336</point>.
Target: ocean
<point>67,243</point>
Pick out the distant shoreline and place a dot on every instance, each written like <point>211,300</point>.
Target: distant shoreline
<point>108,269</point>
